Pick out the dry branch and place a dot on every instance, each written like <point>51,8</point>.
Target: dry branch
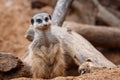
<point>106,37</point>
<point>89,9</point>
<point>60,11</point>
<point>113,4</point>
<point>106,15</point>
<point>86,10</point>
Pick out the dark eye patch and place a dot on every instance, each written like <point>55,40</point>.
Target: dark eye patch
<point>32,21</point>
<point>46,19</point>
<point>39,20</point>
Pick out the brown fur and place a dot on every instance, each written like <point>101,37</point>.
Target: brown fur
<point>48,66</point>
<point>46,56</point>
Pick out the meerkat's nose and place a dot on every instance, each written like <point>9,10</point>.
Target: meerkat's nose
<point>44,23</point>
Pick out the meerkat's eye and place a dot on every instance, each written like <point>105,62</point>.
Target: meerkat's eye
<point>39,20</point>
<point>46,19</point>
<point>50,17</point>
<point>32,21</point>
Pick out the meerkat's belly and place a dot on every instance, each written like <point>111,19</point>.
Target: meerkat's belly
<point>48,62</point>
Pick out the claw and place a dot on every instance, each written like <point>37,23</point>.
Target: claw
<point>85,67</point>
<point>82,71</point>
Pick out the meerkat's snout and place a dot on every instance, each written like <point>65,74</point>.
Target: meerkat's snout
<point>41,22</point>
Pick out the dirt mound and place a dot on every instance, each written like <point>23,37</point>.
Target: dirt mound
<point>99,74</point>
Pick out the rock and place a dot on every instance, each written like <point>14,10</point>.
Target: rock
<point>12,67</point>
<point>8,62</point>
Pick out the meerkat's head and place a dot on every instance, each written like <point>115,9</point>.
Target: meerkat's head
<point>41,21</point>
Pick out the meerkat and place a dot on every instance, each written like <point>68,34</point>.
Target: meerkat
<point>45,56</point>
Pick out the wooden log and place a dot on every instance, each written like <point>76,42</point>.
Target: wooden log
<point>115,12</point>
<point>107,37</point>
<point>112,55</point>
<point>86,10</point>
<point>106,15</point>
<point>60,11</point>
<point>78,47</point>
<point>102,13</point>
<point>113,4</point>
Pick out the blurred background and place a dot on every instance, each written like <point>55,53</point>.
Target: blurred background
<point>97,20</point>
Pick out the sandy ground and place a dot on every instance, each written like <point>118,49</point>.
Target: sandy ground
<point>98,74</point>
<point>14,21</point>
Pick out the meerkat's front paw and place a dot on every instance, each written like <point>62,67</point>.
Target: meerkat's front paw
<point>85,67</point>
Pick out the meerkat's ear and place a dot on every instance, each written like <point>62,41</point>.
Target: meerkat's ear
<point>50,17</point>
<point>32,21</point>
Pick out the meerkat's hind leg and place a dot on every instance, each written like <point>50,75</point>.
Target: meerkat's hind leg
<point>59,66</point>
<point>59,69</point>
<point>38,69</point>
<point>54,51</point>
